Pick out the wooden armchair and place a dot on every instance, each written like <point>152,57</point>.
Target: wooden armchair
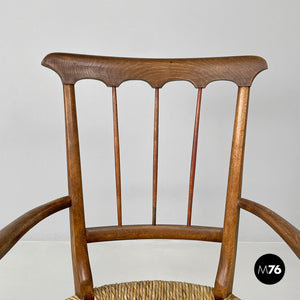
<point>113,71</point>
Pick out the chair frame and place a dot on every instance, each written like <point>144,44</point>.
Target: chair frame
<point>113,71</point>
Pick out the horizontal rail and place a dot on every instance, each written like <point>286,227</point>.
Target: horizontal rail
<point>289,233</point>
<point>10,234</point>
<point>131,232</point>
<point>115,70</point>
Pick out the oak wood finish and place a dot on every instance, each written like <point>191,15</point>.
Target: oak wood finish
<point>194,158</point>
<point>155,155</point>
<point>117,155</point>
<point>225,274</point>
<point>131,232</point>
<point>13,232</point>
<point>81,266</point>
<point>115,70</point>
<point>289,233</point>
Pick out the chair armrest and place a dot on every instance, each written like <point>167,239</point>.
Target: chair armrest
<point>10,234</point>
<point>289,233</point>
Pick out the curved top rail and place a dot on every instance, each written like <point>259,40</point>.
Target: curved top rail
<point>115,70</point>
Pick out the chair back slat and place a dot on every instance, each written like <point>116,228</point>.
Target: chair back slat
<point>117,155</point>
<point>155,155</point>
<point>194,158</point>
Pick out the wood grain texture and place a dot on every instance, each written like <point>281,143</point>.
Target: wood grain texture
<point>81,266</point>
<point>289,233</point>
<point>115,70</point>
<point>225,274</point>
<point>130,232</point>
<point>13,232</point>
<point>117,155</point>
<point>194,158</point>
<point>155,156</point>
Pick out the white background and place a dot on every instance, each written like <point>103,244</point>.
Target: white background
<point>33,167</point>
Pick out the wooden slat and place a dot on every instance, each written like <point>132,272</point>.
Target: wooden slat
<point>117,155</point>
<point>194,158</point>
<point>155,155</point>
<point>289,233</point>
<point>81,266</point>
<point>225,274</point>
<point>128,232</point>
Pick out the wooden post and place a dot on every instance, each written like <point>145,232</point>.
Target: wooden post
<point>225,274</point>
<point>81,266</point>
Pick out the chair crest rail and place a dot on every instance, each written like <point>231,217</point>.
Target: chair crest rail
<point>115,70</point>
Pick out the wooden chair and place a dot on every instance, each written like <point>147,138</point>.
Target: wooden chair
<point>113,71</point>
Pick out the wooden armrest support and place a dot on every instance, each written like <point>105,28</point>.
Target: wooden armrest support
<point>10,234</point>
<point>289,233</point>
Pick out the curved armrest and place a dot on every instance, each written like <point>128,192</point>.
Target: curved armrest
<point>289,233</point>
<point>10,234</point>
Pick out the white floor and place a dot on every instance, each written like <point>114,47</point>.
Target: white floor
<point>42,270</point>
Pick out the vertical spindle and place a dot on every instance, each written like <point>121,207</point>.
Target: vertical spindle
<point>117,155</point>
<point>194,158</point>
<point>155,155</point>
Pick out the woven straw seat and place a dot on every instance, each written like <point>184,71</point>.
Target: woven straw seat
<point>154,290</point>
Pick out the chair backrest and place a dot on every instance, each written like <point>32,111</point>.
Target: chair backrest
<point>113,71</point>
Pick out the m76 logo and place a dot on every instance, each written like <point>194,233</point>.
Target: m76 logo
<point>269,269</point>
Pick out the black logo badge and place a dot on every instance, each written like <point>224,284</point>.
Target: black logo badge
<point>269,269</point>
